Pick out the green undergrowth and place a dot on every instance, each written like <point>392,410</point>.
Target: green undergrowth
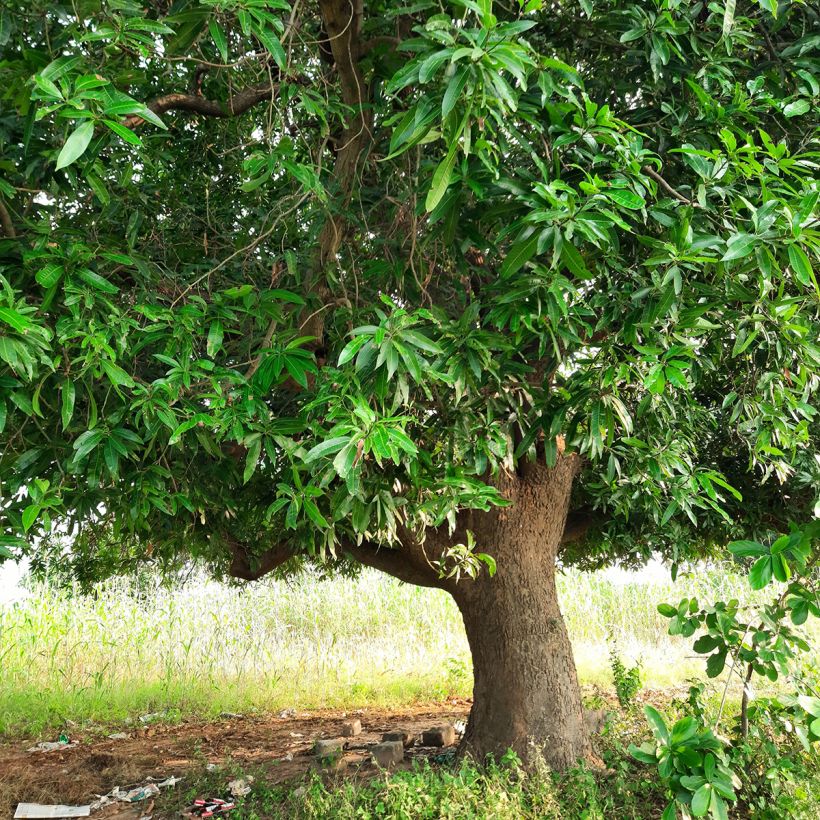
<point>202,648</point>
<point>500,790</point>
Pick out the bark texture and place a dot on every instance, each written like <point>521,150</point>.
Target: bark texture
<point>526,695</point>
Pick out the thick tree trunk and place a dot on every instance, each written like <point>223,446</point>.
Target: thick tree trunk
<point>526,695</point>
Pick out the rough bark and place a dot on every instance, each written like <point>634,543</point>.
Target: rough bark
<point>526,695</point>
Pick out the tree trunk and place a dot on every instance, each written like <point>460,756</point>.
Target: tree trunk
<point>526,695</point>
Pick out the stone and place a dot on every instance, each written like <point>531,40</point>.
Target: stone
<point>388,753</point>
<point>351,728</point>
<point>439,736</point>
<point>407,739</point>
<point>329,750</point>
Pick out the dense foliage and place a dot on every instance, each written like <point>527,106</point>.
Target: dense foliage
<point>258,286</point>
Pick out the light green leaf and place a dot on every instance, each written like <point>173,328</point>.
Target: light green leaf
<point>626,199</point>
<point>326,448</point>
<point>215,336</point>
<point>67,397</point>
<point>796,108</point>
<point>30,514</point>
<point>441,179</point>
<point>728,16</point>
<point>76,144</point>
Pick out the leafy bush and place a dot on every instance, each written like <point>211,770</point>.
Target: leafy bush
<point>773,737</point>
<point>627,680</point>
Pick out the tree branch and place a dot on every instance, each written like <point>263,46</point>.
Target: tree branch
<point>395,562</point>
<point>651,172</point>
<point>235,105</point>
<point>5,222</point>
<point>251,568</point>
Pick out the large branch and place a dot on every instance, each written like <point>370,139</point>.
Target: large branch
<point>249,567</point>
<point>399,562</point>
<point>235,105</point>
<point>395,562</point>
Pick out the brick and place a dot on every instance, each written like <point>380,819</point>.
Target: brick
<point>351,728</point>
<point>329,750</point>
<point>388,753</point>
<point>407,739</point>
<point>439,736</point>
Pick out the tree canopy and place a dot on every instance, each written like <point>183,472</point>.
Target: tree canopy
<point>287,278</point>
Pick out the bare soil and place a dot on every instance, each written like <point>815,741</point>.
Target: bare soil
<point>279,747</point>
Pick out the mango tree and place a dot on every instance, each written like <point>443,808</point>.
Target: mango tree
<point>464,291</point>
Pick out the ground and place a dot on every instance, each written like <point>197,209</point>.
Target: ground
<point>279,746</point>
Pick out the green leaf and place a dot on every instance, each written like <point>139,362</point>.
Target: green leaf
<point>761,573</point>
<point>441,179</point>
<point>314,515</point>
<point>715,663</point>
<point>76,144</point>
<point>571,257</point>
<point>626,199</point>
<point>126,133</point>
<point>15,320</point>
<point>218,36</point>
<point>747,549</point>
<point>272,44</point>
<point>706,643</point>
<point>796,108</point>
<point>252,459</point>
<point>49,275</point>
<point>701,800</point>
<point>97,281</point>
<point>215,336</point>
<point>656,722</point>
<point>519,254</point>
<point>453,92</point>
<point>667,610</point>
<point>801,266</point>
<point>351,349</point>
<point>728,16</point>
<point>346,458</point>
<point>30,514</point>
<point>738,246</point>
<point>326,448</point>
<point>68,394</point>
<point>116,374</point>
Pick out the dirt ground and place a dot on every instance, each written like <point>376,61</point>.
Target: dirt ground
<point>279,746</point>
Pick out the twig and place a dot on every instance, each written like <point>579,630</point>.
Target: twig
<point>651,172</point>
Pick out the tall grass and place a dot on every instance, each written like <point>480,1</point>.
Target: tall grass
<point>204,648</point>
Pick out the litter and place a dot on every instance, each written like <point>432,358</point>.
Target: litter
<point>136,794</point>
<point>153,716</point>
<point>140,793</point>
<point>53,746</point>
<point>38,811</point>
<point>211,806</point>
<point>241,786</point>
<point>231,715</point>
<point>118,736</point>
<point>287,713</point>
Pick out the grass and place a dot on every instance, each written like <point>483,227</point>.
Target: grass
<point>204,648</point>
